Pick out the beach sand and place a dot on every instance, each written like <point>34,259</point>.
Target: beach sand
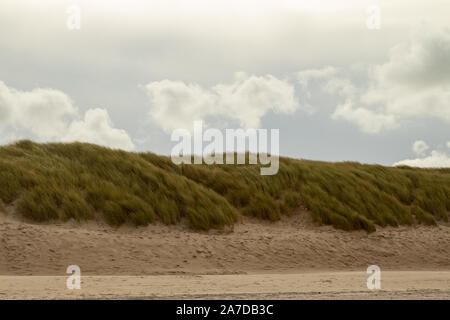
<point>317,285</point>
<point>289,259</point>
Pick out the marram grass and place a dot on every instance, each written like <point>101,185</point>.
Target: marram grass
<point>80,181</point>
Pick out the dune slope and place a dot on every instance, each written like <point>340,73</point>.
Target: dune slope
<point>54,182</point>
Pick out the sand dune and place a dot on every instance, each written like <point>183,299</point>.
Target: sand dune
<point>291,245</point>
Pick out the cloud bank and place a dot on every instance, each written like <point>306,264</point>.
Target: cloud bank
<point>436,159</point>
<point>50,115</point>
<point>414,83</point>
<point>175,104</point>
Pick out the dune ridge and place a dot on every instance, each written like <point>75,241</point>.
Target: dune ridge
<point>59,182</point>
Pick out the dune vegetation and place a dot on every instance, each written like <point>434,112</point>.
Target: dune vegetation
<point>46,182</point>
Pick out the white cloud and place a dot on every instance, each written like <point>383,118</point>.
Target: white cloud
<point>176,104</point>
<point>448,144</point>
<point>435,160</point>
<point>247,99</point>
<point>367,120</point>
<point>419,147</point>
<point>50,115</point>
<point>306,76</point>
<point>413,84</point>
<point>97,128</point>
<point>420,62</point>
<point>43,112</point>
<point>320,77</point>
<point>331,81</point>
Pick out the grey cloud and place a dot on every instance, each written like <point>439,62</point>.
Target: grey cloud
<point>412,84</point>
<point>419,147</point>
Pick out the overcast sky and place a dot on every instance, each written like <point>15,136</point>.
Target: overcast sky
<point>137,70</point>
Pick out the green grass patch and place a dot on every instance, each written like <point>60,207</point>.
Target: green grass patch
<point>84,181</point>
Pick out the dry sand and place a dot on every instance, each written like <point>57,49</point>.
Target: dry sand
<point>292,258</point>
<point>320,285</point>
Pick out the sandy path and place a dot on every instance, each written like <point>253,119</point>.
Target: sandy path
<point>329,285</point>
<point>291,245</point>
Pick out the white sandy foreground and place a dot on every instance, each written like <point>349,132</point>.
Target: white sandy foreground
<point>326,285</point>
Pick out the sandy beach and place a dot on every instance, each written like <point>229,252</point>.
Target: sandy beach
<point>317,285</point>
<point>289,259</point>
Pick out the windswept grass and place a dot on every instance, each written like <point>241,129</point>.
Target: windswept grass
<point>83,181</point>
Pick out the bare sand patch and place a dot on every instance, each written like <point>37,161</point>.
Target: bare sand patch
<point>289,246</point>
<point>289,259</point>
<point>322,285</point>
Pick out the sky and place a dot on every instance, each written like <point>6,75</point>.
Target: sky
<point>336,87</point>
